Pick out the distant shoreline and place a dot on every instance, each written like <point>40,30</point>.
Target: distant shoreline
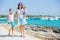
<point>31,16</point>
<point>42,17</point>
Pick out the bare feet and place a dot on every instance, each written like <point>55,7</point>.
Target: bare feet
<point>22,36</point>
<point>8,34</point>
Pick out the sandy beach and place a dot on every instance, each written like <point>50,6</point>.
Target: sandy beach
<point>31,32</point>
<point>4,35</point>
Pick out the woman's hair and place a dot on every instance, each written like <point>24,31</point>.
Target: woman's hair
<point>20,4</point>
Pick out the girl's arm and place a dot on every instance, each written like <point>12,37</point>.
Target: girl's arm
<point>7,18</point>
<point>25,14</point>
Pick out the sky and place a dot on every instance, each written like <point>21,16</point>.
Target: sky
<point>34,7</point>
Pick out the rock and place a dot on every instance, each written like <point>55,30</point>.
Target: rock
<point>57,39</point>
<point>45,31</point>
<point>56,30</point>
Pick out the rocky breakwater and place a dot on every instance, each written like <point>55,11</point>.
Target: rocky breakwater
<point>44,32</point>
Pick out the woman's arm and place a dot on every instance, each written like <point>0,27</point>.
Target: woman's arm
<point>16,16</point>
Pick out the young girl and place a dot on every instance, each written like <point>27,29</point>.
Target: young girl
<point>11,20</point>
<point>24,15</point>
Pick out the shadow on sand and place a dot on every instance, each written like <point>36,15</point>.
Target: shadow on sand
<point>9,36</point>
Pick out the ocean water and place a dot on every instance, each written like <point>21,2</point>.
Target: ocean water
<point>39,22</point>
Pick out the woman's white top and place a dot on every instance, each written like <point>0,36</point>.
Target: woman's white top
<point>20,13</point>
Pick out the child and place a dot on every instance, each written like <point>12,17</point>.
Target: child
<point>24,15</point>
<point>24,20</point>
<point>11,21</point>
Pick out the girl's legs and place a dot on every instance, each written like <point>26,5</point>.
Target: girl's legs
<point>12,32</point>
<point>12,23</point>
<point>9,32</point>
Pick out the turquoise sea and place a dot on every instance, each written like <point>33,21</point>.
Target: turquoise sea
<point>39,22</point>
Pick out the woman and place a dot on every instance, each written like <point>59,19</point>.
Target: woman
<point>21,18</point>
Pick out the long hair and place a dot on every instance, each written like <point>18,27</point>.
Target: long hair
<point>20,4</point>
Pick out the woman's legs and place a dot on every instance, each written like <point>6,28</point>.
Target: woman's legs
<point>22,30</point>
